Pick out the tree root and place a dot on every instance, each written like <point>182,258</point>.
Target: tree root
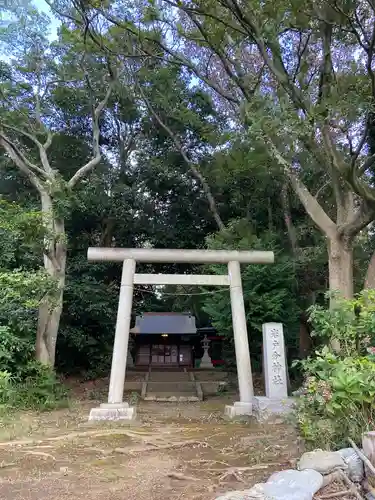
<point>340,475</point>
<point>338,494</point>
<point>237,471</point>
<point>155,447</point>
<point>181,477</point>
<point>40,454</point>
<point>199,461</point>
<point>351,486</point>
<point>3,464</point>
<point>74,435</point>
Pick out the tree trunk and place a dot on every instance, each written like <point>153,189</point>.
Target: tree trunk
<point>340,266</point>
<point>370,275</point>
<point>305,341</point>
<point>55,265</point>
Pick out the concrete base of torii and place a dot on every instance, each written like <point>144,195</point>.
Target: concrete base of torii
<point>261,408</point>
<point>238,409</point>
<point>268,409</point>
<point>113,411</point>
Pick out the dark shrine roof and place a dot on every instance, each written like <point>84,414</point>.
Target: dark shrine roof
<point>165,323</point>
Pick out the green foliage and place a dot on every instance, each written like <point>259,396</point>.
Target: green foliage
<point>15,352</point>
<point>21,290</point>
<point>338,399</point>
<point>350,322</point>
<point>269,292</point>
<point>25,383</point>
<point>39,389</point>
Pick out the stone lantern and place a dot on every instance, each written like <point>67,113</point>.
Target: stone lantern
<point>206,360</point>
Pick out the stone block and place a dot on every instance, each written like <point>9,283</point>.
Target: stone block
<point>324,462</point>
<point>293,485</point>
<point>238,409</point>
<point>267,409</point>
<point>113,411</point>
<point>254,493</point>
<point>198,388</point>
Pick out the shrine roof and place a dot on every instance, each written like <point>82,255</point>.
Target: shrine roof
<point>165,323</point>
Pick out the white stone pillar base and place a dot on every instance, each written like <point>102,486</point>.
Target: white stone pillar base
<point>265,408</point>
<point>113,411</point>
<point>238,409</point>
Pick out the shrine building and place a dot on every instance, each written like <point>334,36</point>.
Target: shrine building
<point>168,339</point>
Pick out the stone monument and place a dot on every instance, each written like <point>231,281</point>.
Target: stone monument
<point>276,400</point>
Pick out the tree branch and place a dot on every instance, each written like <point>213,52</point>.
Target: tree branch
<point>41,147</point>
<point>288,218</point>
<point>197,11</point>
<point>18,161</point>
<point>83,171</point>
<point>358,221</point>
<point>177,58</point>
<point>326,67</point>
<point>22,132</point>
<point>274,63</point>
<point>21,156</point>
<point>311,205</point>
<point>300,55</point>
<point>197,174</point>
<point>223,59</point>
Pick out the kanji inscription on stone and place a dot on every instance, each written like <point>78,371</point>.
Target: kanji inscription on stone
<point>275,334</point>
<point>274,361</point>
<point>276,343</point>
<point>277,379</point>
<point>277,367</point>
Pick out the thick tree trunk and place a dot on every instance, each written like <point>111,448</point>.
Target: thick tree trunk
<point>340,269</point>
<point>340,266</point>
<point>55,265</point>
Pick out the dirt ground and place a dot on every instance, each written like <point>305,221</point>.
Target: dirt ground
<point>173,451</point>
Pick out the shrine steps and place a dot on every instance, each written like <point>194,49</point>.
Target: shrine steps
<point>171,387</point>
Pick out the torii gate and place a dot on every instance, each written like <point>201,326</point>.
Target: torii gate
<point>116,409</point>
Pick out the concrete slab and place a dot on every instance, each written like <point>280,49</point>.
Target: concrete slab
<point>267,409</point>
<point>238,409</point>
<point>115,411</point>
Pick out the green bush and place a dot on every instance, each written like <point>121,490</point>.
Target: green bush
<point>39,389</point>
<point>338,395</point>
<point>350,322</point>
<point>24,382</point>
<point>337,400</point>
<point>15,352</point>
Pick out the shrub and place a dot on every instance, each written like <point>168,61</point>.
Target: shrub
<point>38,389</point>
<point>338,395</point>
<point>337,400</point>
<point>350,322</point>
<point>15,352</point>
<point>24,382</point>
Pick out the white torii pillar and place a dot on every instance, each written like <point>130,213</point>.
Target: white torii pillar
<point>116,409</point>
